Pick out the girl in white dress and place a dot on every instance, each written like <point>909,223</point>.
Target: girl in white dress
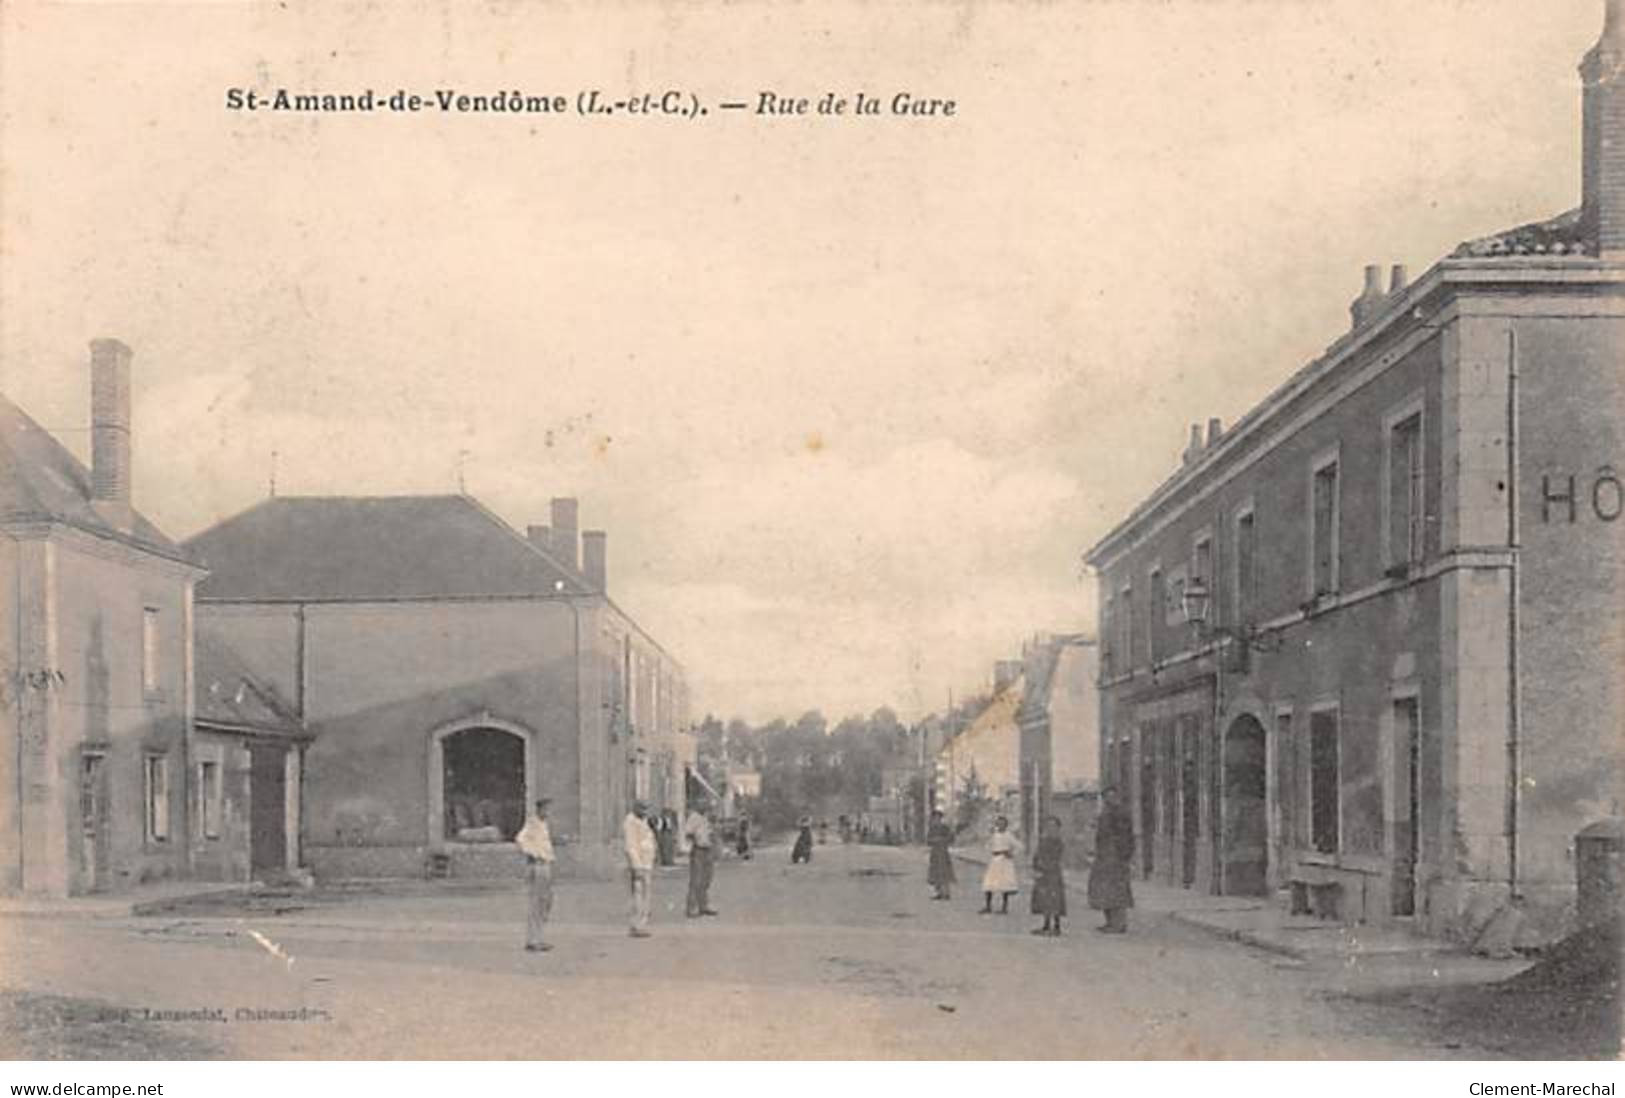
<point>1001,868</point>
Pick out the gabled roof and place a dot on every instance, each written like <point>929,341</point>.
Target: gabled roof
<point>41,481</point>
<point>1040,675</point>
<point>366,548</point>
<point>228,696</point>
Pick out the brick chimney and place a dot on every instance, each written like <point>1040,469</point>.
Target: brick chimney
<point>564,539</point>
<point>540,536</point>
<point>1215,430</point>
<point>1193,448</point>
<point>595,559</point>
<point>1005,673</point>
<point>1364,307</point>
<point>1602,127</point>
<point>110,431</point>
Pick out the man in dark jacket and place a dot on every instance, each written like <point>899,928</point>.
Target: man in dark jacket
<point>1109,889</point>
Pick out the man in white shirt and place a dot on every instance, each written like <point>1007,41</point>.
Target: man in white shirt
<point>535,841</point>
<point>638,840</point>
<point>697,830</point>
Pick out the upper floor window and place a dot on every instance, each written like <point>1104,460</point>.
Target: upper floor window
<point>1323,534</point>
<point>1246,568</point>
<point>149,649</point>
<point>1125,628</point>
<point>1158,603</point>
<point>1405,512</point>
<point>1202,569</point>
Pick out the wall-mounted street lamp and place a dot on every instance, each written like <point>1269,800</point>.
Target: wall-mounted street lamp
<point>1197,601</point>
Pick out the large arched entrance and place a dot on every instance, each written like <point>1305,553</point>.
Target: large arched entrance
<point>479,782</point>
<point>1245,847</point>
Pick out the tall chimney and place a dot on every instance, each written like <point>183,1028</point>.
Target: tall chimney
<point>1398,279</point>
<point>595,559</point>
<point>539,536</point>
<point>564,539</point>
<point>1215,428</point>
<point>1364,307</point>
<point>110,430</point>
<point>1602,127</point>
<point>1004,673</point>
<point>1193,448</point>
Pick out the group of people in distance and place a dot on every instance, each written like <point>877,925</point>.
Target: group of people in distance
<point>1109,873</point>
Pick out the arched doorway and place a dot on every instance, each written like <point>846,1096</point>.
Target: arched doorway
<point>479,781</point>
<point>1245,846</point>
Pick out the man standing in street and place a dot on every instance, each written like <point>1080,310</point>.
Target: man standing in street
<point>638,839</point>
<point>1109,889</point>
<point>701,860</point>
<point>537,844</point>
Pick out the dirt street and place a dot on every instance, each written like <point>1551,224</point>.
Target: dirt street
<point>844,958</point>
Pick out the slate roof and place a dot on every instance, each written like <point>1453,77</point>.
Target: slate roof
<point>364,548</point>
<point>228,695</point>
<point>41,481</point>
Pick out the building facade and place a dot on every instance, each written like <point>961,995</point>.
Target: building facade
<point>246,778</point>
<point>1059,720</point>
<point>1399,697</point>
<point>95,650</point>
<point>451,670</point>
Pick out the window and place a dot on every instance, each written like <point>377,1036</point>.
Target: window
<point>209,799</point>
<point>1323,781</point>
<point>1128,629</point>
<point>157,798</point>
<point>1286,781</point>
<point>1405,513</point>
<point>1323,535</point>
<point>1158,605</point>
<point>1202,573</point>
<point>149,650</point>
<point>1246,576</point>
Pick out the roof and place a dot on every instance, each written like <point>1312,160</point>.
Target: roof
<point>1513,255</point>
<point>228,696</point>
<point>41,481</point>
<point>1042,663</point>
<point>1565,234</point>
<point>374,548</point>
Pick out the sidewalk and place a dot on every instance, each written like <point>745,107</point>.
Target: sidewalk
<point>120,905</point>
<point>1266,924</point>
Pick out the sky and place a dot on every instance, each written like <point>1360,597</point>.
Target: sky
<point>850,395</point>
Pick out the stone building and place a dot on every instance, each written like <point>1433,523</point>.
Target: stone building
<point>247,769</point>
<point>1364,647</point>
<point>1059,721</point>
<point>451,670</point>
<point>95,654</point>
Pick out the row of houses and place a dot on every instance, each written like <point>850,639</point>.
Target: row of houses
<point>353,686</point>
<point>1361,651</point>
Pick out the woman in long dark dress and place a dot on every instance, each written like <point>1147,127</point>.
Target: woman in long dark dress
<point>939,872</point>
<point>1109,888</point>
<point>1049,882</point>
<point>802,851</point>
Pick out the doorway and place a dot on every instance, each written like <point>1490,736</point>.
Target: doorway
<point>267,810</point>
<point>484,784</point>
<point>1190,799</point>
<point>1246,825</point>
<point>1407,825</point>
<point>93,827</point>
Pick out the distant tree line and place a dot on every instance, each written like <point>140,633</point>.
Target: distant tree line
<point>807,767</point>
